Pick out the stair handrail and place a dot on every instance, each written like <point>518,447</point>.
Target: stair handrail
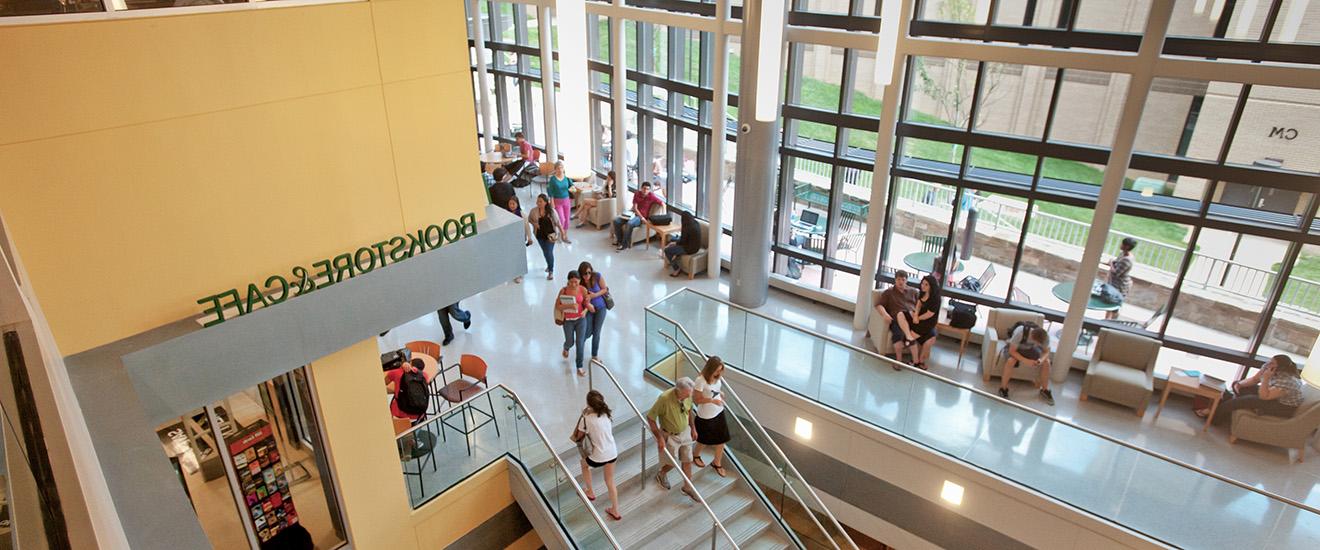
<point>757,422</point>
<point>541,434</point>
<point>642,449</point>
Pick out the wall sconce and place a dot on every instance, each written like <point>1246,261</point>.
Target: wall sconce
<point>802,427</point>
<point>952,493</point>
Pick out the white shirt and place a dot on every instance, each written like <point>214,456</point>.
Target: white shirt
<point>707,411</point>
<point>601,431</point>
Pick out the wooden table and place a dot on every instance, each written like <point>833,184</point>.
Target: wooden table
<point>663,231</point>
<point>1182,384</point>
<point>924,262</point>
<point>1063,291</point>
<point>963,333</point>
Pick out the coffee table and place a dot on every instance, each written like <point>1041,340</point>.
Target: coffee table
<point>1182,384</point>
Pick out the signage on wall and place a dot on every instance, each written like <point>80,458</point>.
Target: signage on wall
<point>262,480</point>
<point>277,288</point>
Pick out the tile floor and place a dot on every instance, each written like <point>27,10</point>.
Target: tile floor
<point>513,330</point>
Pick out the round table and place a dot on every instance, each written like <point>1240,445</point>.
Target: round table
<point>495,157</point>
<point>924,262</point>
<point>1064,291</point>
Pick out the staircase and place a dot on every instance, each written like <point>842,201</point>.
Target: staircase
<point>654,518</point>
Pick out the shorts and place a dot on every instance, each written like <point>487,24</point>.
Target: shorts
<point>680,446</point>
<point>595,464</point>
<point>895,332</point>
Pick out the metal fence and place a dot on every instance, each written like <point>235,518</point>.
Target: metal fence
<point>1205,271</point>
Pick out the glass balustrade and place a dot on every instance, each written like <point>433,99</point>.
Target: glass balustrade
<point>437,455</point>
<point>1121,483</point>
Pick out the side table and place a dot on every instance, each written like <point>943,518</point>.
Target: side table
<point>1179,382</point>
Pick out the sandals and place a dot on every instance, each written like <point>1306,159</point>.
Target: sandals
<point>719,470</point>
<point>699,462</point>
<point>614,514</point>
<point>1202,413</point>
<point>591,495</point>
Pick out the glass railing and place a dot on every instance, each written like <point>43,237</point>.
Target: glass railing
<point>783,490</point>
<point>1157,496</point>
<point>629,422</point>
<point>441,452</point>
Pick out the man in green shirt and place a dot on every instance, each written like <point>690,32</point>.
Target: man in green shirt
<point>671,423</point>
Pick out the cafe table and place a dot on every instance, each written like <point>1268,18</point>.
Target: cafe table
<point>924,262</point>
<point>1063,291</point>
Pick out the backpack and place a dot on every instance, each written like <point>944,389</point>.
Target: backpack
<point>962,314</point>
<point>1108,294</point>
<point>412,395</point>
<point>970,283</point>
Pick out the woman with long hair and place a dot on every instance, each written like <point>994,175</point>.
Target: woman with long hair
<point>544,223</point>
<point>712,427</point>
<point>599,429</point>
<point>573,306</point>
<point>918,325</point>
<point>587,205</point>
<point>594,322</point>
<point>559,187</point>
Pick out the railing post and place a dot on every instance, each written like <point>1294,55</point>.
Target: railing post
<point>643,452</point>
<point>714,529</point>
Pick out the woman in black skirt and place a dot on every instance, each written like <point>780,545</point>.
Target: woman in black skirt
<point>712,429</point>
<point>918,325</point>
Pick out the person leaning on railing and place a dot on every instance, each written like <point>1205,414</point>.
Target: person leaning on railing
<point>672,424</point>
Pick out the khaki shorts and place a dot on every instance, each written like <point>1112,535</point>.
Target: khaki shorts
<point>680,446</point>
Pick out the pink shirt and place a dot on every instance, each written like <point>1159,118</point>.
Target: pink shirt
<point>575,309</point>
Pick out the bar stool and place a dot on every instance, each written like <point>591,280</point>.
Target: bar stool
<point>471,381</point>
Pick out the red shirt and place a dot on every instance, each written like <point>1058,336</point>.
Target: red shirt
<point>525,148</point>
<point>644,203</point>
<point>575,309</point>
<point>395,377</point>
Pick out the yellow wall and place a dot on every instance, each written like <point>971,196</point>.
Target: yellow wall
<point>151,162</point>
<point>362,453</point>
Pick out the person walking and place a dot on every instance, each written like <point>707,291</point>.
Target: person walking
<point>571,307</point>
<point>597,426</point>
<point>596,288</point>
<point>545,226</point>
<point>1120,271</point>
<point>689,242</point>
<point>712,426</point>
<point>670,420</point>
<point>512,206</point>
<point>456,313</point>
<point>558,186</point>
<point>918,325</point>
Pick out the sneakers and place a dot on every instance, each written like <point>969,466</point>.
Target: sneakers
<point>467,324</point>
<point>1048,397</point>
<point>1003,392</point>
<point>663,480</point>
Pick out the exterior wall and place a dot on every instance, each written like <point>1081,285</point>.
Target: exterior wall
<point>151,162</point>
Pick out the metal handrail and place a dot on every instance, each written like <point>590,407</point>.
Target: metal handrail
<point>540,433</point>
<point>1024,408</point>
<point>757,423</point>
<point>642,449</point>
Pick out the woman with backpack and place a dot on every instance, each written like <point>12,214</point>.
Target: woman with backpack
<point>544,222</point>
<point>595,433</point>
<point>597,292</point>
<point>918,325</point>
<point>571,309</point>
<point>1028,343</point>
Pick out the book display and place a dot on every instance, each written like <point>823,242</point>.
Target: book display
<point>261,479</point>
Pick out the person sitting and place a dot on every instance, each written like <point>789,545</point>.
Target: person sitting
<point>394,384</point>
<point>1027,344</point>
<point>1275,390</point>
<point>918,324</point>
<point>893,301</point>
<point>587,205</point>
<point>502,190</point>
<point>689,242</point>
<point>643,201</point>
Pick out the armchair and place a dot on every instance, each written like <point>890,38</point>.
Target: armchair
<point>692,264</point>
<point>879,328</point>
<point>605,212</point>
<point>1290,433</point>
<point>997,324</point>
<point>1122,369</point>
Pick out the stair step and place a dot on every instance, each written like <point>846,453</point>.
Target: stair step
<point>657,512</point>
<point>696,534</point>
<point>768,540</point>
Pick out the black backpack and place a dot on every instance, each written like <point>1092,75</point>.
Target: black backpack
<point>412,395</point>
<point>962,314</point>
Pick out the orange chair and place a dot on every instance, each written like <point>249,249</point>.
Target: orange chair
<point>424,347</point>
<point>471,381</point>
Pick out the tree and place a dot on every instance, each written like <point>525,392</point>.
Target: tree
<point>951,89</point>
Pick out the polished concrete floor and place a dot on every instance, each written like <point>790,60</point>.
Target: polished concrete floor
<point>513,330</point>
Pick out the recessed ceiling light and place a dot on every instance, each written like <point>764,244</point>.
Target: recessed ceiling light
<point>802,428</point>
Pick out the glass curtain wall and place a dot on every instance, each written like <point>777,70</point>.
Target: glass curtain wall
<point>514,50</point>
<point>997,167</point>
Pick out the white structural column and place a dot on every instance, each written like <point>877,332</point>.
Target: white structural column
<point>547,83</point>
<point>619,92</point>
<point>884,153</point>
<point>1120,156</point>
<point>573,124</point>
<point>488,121</point>
<point>715,168</point>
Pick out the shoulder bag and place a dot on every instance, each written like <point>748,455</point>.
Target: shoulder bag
<point>559,312</point>
<point>609,300</point>
<point>579,437</point>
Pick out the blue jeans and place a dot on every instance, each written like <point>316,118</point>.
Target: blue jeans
<point>672,253</point>
<point>575,331</point>
<point>620,225</point>
<point>593,322</point>
<point>548,250</point>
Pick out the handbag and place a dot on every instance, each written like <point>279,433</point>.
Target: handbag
<point>579,437</point>
<point>661,219</point>
<point>962,315</point>
<point>609,301</point>
<point>559,313</point>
